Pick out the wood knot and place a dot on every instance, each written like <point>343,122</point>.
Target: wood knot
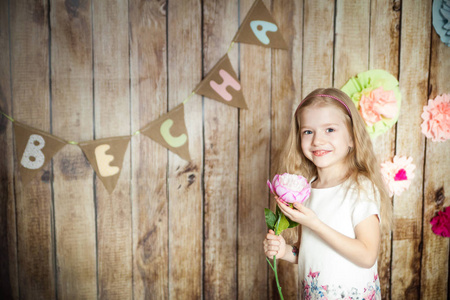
<point>39,13</point>
<point>439,197</point>
<point>188,169</point>
<point>397,5</point>
<point>72,7</point>
<point>191,179</point>
<point>45,176</point>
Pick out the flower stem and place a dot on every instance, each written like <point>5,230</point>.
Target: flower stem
<point>276,276</point>
<point>274,267</point>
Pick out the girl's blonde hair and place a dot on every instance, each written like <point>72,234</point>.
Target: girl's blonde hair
<point>361,159</point>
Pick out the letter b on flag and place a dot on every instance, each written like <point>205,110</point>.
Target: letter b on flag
<point>33,158</point>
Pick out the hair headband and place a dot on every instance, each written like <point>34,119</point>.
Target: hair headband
<point>328,96</point>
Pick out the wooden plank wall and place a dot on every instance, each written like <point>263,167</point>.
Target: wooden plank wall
<point>86,70</point>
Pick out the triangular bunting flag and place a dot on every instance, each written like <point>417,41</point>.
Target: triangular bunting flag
<point>259,28</point>
<point>34,149</point>
<point>170,131</point>
<point>106,158</point>
<point>222,84</point>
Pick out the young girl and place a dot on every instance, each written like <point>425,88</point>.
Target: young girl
<point>341,222</point>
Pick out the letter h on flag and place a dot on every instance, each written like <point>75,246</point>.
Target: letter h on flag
<point>221,84</point>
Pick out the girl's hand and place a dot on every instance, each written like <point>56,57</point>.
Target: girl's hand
<point>300,214</point>
<point>274,245</point>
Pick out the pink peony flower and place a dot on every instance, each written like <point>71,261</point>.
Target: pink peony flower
<point>440,224</point>
<point>290,188</point>
<point>378,104</point>
<point>436,118</point>
<point>398,174</point>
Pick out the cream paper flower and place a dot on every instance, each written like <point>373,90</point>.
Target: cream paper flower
<point>398,174</point>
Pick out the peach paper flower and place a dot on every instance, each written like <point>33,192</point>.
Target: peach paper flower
<point>378,104</point>
<point>436,118</point>
<point>398,174</point>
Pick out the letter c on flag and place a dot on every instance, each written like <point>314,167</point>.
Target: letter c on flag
<point>173,141</point>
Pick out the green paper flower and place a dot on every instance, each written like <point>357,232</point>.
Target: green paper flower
<point>368,86</point>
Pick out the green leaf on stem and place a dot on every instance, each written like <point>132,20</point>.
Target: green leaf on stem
<point>271,219</point>
<point>292,224</point>
<point>282,224</point>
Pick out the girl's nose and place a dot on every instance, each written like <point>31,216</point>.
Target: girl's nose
<point>318,140</point>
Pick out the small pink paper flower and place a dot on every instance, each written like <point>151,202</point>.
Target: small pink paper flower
<point>378,104</point>
<point>436,118</point>
<point>398,174</point>
<point>440,224</point>
<point>290,188</point>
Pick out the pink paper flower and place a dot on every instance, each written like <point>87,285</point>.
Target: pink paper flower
<point>398,174</point>
<point>436,118</point>
<point>378,104</point>
<point>440,224</point>
<point>290,188</point>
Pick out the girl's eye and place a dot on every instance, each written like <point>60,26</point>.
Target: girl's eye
<point>330,130</point>
<point>307,132</point>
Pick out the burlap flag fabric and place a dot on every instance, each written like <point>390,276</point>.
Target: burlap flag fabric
<point>34,149</point>
<point>222,84</point>
<point>106,158</point>
<point>259,28</point>
<point>170,131</point>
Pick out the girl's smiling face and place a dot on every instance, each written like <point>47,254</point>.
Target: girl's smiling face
<point>325,139</point>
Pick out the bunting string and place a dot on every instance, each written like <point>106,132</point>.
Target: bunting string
<point>35,148</point>
<point>8,117</point>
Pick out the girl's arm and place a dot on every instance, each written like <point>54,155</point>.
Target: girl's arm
<point>362,250</point>
<point>292,250</point>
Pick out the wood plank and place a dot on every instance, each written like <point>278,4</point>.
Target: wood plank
<point>435,259</point>
<point>384,54</point>
<point>317,45</point>
<point>148,69</point>
<point>185,178</point>
<point>9,286</point>
<point>414,66</point>
<point>220,23</point>
<point>111,84</point>
<point>71,70</point>
<point>30,90</point>
<point>351,40</point>
<point>254,155</point>
<point>286,94</point>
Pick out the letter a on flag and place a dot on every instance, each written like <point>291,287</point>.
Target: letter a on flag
<point>106,158</point>
<point>259,28</point>
<point>170,131</point>
<point>221,84</point>
<point>34,149</point>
